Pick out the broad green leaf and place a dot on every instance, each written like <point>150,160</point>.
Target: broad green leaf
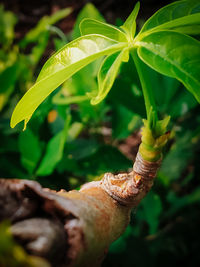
<point>54,151</point>
<point>8,79</point>
<point>39,48</point>
<point>105,159</point>
<point>190,30</point>
<point>129,25</point>
<point>89,11</point>
<point>178,203</point>
<point>131,96</point>
<point>181,104</point>
<point>89,26</point>
<point>7,23</point>
<point>30,149</point>
<point>179,157</point>
<point>181,13</point>
<point>53,155</point>
<point>82,148</point>
<point>124,122</point>
<point>62,65</point>
<point>175,55</point>
<point>43,25</point>
<point>119,246</point>
<point>107,74</point>
<point>152,206</point>
<point>184,24</point>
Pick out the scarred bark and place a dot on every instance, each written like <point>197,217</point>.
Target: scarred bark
<point>74,228</point>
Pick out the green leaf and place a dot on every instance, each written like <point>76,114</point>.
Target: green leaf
<point>107,74</point>
<point>54,151</point>
<point>82,148</point>
<point>8,79</point>
<point>129,25</point>
<point>89,11</point>
<point>175,55</point>
<point>190,30</point>
<point>106,159</point>
<point>39,48</point>
<point>7,23</point>
<point>30,149</point>
<point>178,158</point>
<point>53,155</point>
<point>131,96</point>
<point>62,65</point>
<point>184,25</point>
<point>181,13</point>
<point>124,122</point>
<point>178,203</point>
<point>43,25</point>
<point>89,26</point>
<point>152,206</point>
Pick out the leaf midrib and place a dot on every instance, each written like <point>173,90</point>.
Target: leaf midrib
<point>146,45</point>
<point>166,26</point>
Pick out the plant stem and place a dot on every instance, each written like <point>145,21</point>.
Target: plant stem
<point>147,89</point>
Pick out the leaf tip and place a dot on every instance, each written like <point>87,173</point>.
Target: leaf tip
<point>14,121</point>
<point>12,124</point>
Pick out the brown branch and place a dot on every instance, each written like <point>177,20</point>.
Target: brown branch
<point>74,228</point>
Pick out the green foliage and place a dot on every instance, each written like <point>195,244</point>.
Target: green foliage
<point>51,144</point>
<point>58,68</point>
<point>30,150</point>
<point>107,74</point>
<point>90,26</point>
<point>129,25</point>
<point>88,11</point>
<point>69,142</point>
<point>179,57</point>
<point>160,49</point>
<point>44,25</point>
<point>7,23</point>
<point>54,150</point>
<point>179,16</point>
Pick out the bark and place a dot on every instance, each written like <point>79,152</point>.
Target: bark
<point>74,228</point>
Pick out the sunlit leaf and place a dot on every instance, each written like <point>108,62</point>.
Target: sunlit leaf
<point>43,25</point>
<point>190,30</point>
<point>89,26</point>
<point>129,25</point>
<point>175,55</point>
<point>88,11</point>
<point>179,14</point>
<point>107,74</point>
<point>30,150</point>
<point>63,64</point>
<point>152,206</point>
<point>54,151</point>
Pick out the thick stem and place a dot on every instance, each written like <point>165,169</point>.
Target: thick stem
<point>67,228</point>
<point>130,188</point>
<point>76,228</point>
<point>80,225</point>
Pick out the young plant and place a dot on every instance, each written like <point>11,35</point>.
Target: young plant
<point>164,43</point>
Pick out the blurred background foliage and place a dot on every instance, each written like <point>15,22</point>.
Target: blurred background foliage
<point>69,142</point>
